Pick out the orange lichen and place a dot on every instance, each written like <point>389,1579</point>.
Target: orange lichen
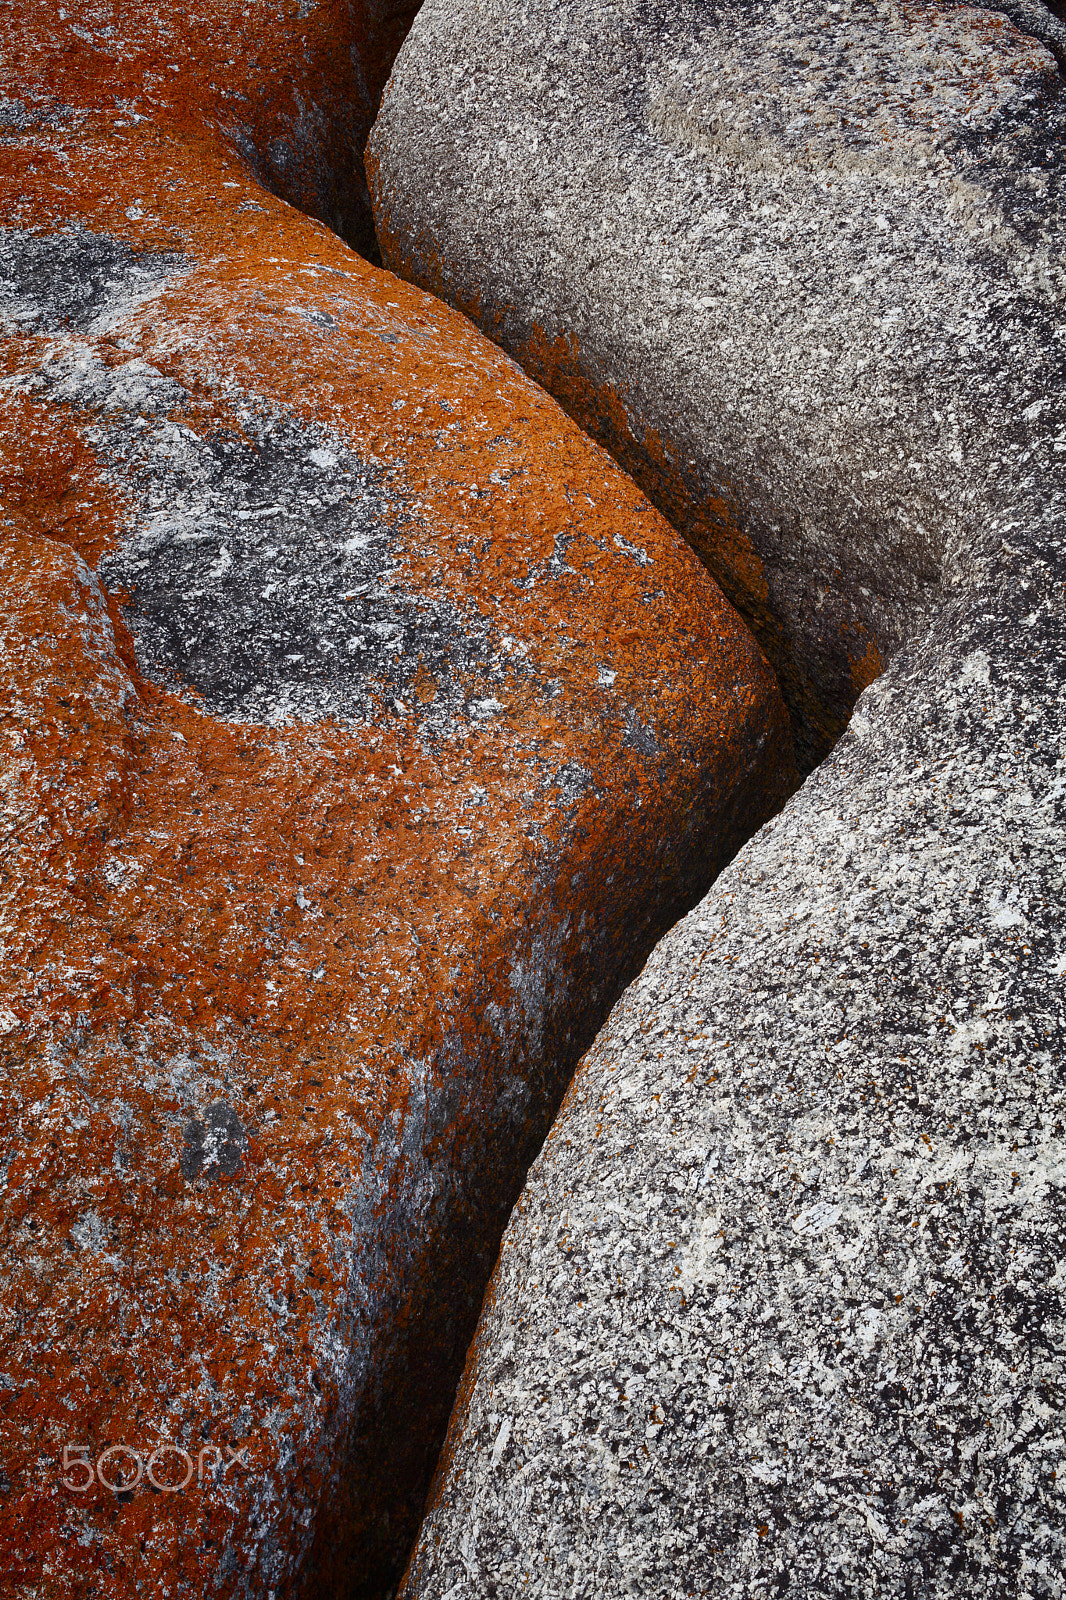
<point>294,86</point>
<point>712,523</point>
<point>866,668</point>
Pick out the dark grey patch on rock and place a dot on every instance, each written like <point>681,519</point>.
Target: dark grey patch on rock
<point>265,577</point>
<point>638,736</point>
<point>320,319</point>
<point>262,573</point>
<point>572,780</point>
<point>13,114</point>
<point>216,1145</point>
<point>17,117</point>
<point>68,281</point>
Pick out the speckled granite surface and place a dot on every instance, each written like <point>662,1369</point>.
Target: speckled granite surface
<point>780,1311</point>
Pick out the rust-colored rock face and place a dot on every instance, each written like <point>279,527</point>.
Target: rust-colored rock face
<point>362,726</point>
<point>293,84</point>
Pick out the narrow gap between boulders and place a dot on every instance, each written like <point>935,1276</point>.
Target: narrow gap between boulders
<point>351,220</point>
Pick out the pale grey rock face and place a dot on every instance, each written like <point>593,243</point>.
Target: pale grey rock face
<point>780,1311</point>
<point>797,267</point>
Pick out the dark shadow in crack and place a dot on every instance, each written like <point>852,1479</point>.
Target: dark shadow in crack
<point>308,149</point>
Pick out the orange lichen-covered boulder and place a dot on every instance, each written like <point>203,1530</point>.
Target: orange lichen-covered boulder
<point>292,84</point>
<point>361,728</point>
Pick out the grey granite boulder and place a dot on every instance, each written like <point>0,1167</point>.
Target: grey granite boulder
<point>795,266</point>
<point>780,1310</point>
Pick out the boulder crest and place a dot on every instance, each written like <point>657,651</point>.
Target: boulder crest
<point>787,311</point>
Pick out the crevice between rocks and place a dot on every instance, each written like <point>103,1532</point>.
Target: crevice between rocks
<point>818,730</point>
<point>334,192</point>
<point>314,162</point>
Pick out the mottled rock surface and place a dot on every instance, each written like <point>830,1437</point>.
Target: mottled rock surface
<point>809,318</point>
<point>362,726</point>
<point>781,1310</point>
<point>293,85</point>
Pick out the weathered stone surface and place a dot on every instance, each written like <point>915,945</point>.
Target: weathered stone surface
<point>781,1308</point>
<point>361,727</point>
<point>757,300</point>
<point>293,84</point>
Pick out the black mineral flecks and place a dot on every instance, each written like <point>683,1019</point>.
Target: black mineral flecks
<point>215,1145</point>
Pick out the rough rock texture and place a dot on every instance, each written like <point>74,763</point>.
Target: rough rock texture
<point>755,298</point>
<point>293,85</point>
<point>781,1309</point>
<point>362,726</point>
